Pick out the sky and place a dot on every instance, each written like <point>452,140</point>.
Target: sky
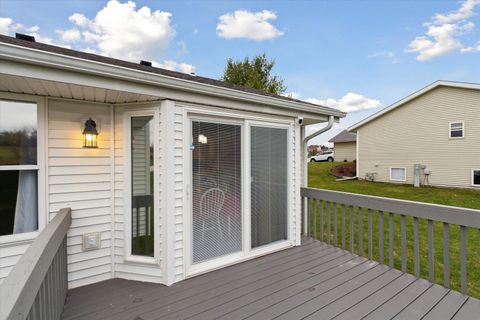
<point>356,56</point>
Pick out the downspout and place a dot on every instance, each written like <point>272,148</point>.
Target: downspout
<point>329,125</point>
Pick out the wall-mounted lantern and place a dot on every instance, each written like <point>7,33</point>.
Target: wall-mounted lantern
<point>202,139</point>
<point>90,134</point>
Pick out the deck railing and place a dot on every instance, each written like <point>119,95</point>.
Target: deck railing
<point>37,286</point>
<point>351,221</point>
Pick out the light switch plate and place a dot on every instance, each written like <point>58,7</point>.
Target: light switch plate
<point>91,241</point>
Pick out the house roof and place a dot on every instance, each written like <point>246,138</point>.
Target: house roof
<point>344,136</point>
<point>162,72</point>
<point>436,84</point>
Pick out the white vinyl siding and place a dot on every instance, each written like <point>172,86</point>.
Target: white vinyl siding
<point>80,178</point>
<point>416,133</point>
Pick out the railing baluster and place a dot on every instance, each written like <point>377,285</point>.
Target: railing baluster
<point>304,215</point>
<point>370,240</point>
<point>431,254</point>
<point>380,236</point>
<point>315,207</point>
<point>335,225</point>
<point>416,248</point>
<point>321,220</point>
<point>446,255</point>
<point>328,221</point>
<point>360,231</point>
<point>404,242</point>
<point>343,226</point>
<point>391,238</point>
<point>352,234</point>
<point>463,258</point>
<point>308,217</point>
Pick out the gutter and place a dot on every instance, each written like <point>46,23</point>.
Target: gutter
<point>331,120</point>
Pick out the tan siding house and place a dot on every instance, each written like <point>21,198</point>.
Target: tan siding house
<point>345,146</point>
<point>438,127</point>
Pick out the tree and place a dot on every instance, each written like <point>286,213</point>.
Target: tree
<point>254,73</point>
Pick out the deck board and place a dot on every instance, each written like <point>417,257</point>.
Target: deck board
<point>313,281</point>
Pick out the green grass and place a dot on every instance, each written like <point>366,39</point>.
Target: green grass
<point>319,177</point>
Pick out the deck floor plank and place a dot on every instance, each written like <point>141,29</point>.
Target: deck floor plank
<point>313,281</point>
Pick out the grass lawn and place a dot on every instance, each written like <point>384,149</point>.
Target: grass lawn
<point>319,177</point>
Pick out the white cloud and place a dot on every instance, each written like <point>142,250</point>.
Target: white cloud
<point>293,95</point>
<point>69,35</point>
<point>443,33</point>
<point>10,27</point>
<point>248,25</point>
<point>390,55</point>
<point>175,66</point>
<point>351,102</point>
<point>119,30</point>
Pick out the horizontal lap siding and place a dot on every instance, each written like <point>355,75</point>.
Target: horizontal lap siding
<point>81,179</point>
<point>9,255</point>
<point>417,132</point>
<point>178,186</point>
<point>345,151</point>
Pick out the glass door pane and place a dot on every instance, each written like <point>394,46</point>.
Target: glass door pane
<point>269,185</point>
<point>142,185</point>
<point>216,186</point>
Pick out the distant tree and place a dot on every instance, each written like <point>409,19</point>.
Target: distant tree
<point>254,73</point>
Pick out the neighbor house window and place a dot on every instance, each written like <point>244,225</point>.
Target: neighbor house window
<point>457,129</point>
<point>398,174</point>
<point>18,167</point>
<point>476,177</point>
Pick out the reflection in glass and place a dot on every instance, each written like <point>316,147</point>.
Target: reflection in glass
<point>18,133</point>
<point>216,185</point>
<point>18,201</point>
<point>142,186</point>
<point>269,185</point>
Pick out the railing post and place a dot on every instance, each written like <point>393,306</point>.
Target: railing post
<point>446,255</point>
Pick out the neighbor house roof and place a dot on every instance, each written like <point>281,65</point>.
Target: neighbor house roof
<point>190,78</point>
<point>436,84</point>
<point>344,136</point>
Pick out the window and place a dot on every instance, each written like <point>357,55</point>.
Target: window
<point>398,174</point>
<point>18,167</point>
<point>476,177</point>
<point>457,129</point>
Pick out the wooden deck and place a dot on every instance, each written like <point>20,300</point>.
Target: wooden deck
<point>313,281</point>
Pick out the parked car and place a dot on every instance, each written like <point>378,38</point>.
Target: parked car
<point>325,156</point>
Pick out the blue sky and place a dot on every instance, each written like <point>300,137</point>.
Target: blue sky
<point>347,54</point>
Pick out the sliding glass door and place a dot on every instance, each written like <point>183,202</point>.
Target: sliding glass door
<point>269,185</point>
<point>216,190</point>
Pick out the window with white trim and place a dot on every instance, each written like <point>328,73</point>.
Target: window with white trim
<point>18,167</point>
<point>476,177</point>
<point>398,174</point>
<point>457,129</point>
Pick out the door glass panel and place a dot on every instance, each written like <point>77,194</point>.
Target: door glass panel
<point>142,185</point>
<point>269,185</point>
<point>216,186</point>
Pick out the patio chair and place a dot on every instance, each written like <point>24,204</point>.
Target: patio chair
<point>211,204</point>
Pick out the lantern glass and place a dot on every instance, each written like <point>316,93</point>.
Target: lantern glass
<point>90,134</point>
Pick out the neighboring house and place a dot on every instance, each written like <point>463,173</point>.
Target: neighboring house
<point>344,145</point>
<point>437,127</point>
<point>172,152</point>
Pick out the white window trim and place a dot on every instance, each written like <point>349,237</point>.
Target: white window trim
<point>401,180</point>
<point>198,114</point>
<point>473,184</point>
<point>128,256</point>
<point>42,121</point>
<point>450,129</point>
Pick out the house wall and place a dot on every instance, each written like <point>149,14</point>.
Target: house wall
<point>418,132</point>
<point>345,151</point>
<point>92,182</point>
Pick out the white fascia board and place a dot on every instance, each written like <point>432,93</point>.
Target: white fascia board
<point>58,61</point>
<point>414,95</point>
